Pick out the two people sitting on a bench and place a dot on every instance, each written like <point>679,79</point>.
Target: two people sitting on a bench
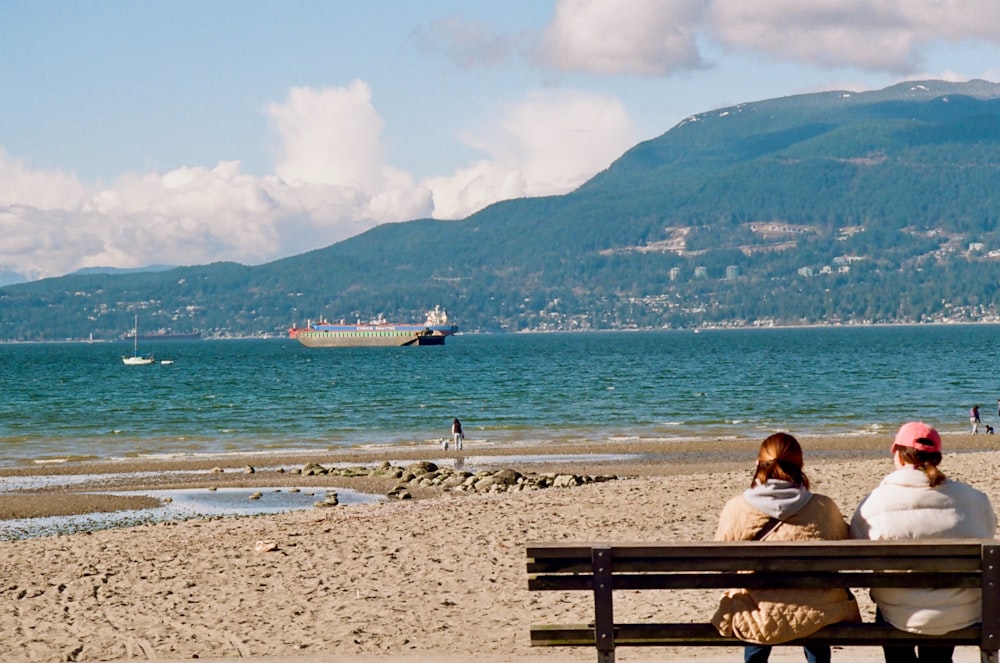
<point>915,501</point>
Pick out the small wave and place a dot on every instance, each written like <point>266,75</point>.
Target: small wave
<point>62,460</point>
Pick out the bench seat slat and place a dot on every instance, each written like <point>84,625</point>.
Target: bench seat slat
<point>626,581</point>
<point>709,549</point>
<point>938,565</point>
<point>786,564</point>
<point>694,635</point>
<point>709,559</point>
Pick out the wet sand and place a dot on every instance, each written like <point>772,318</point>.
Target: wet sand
<point>623,459</point>
<point>439,578</point>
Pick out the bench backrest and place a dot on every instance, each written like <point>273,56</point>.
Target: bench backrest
<point>570,566</point>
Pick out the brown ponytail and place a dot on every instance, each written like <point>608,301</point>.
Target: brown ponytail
<point>923,460</point>
<point>780,457</point>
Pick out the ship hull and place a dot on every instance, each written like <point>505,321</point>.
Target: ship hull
<point>375,334</point>
<point>367,339</point>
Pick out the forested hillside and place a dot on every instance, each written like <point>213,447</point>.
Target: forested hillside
<point>823,208</point>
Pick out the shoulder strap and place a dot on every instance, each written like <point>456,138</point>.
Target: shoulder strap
<point>769,526</point>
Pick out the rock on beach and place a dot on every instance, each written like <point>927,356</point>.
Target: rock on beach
<point>428,475</point>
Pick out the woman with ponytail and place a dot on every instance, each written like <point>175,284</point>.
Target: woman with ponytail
<point>917,501</point>
<point>779,506</point>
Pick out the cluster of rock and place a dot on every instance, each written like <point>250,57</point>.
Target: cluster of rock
<point>425,474</point>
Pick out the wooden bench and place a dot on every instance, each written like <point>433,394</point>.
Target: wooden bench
<point>602,569</point>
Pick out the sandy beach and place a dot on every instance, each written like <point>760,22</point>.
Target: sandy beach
<point>440,578</point>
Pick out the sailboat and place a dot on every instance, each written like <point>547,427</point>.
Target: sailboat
<point>137,359</point>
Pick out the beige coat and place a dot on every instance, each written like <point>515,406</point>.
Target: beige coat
<point>774,616</point>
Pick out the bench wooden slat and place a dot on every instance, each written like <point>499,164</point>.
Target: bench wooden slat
<point>707,549</point>
<point>786,564</point>
<point>783,580</point>
<point>752,556</point>
<point>695,635</point>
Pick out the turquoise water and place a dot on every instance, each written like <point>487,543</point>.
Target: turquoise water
<point>77,401</point>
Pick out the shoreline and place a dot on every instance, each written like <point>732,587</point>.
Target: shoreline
<point>961,440</point>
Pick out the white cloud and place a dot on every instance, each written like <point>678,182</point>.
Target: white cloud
<point>645,37</point>
<point>876,36</point>
<point>329,183</point>
<point>333,161</point>
<point>549,143</point>
<point>22,186</point>
<point>869,35</point>
<point>329,136</point>
<point>655,38</point>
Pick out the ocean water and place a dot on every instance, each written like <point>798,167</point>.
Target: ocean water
<point>66,402</point>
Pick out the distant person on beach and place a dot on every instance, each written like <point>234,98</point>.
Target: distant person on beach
<point>917,501</point>
<point>778,506</point>
<point>974,419</point>
<point>457,434</point>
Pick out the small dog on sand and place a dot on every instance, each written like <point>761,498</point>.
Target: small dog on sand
<point>989,429</point>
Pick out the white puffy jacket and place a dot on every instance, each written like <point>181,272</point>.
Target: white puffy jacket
<point>904,506</point>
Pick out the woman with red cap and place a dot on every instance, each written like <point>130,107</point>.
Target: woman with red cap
<point>917,501</point>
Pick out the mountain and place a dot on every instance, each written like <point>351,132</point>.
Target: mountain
<point>833,207</point>
<point>8,277</point>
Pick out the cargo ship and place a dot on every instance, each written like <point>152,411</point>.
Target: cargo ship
<point>377,333</point>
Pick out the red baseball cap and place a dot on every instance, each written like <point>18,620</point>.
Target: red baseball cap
<point>918,435</point>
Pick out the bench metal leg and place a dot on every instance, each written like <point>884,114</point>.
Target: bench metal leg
<point>991,603</point>
<point>604,616</point>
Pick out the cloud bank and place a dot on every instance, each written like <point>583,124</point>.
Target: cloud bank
<point>330,182</point>
<point>653,38</point>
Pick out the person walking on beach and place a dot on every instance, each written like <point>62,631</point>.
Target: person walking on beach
<point>456,433</point>
<point>778,506</point>
<point>917,501</point>
<point>974,419</point>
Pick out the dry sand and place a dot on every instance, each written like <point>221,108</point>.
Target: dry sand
<point>440,579</point>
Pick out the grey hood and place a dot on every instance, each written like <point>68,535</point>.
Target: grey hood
<point>778,499</point>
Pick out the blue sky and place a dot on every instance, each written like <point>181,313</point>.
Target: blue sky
<point>181,132</point>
